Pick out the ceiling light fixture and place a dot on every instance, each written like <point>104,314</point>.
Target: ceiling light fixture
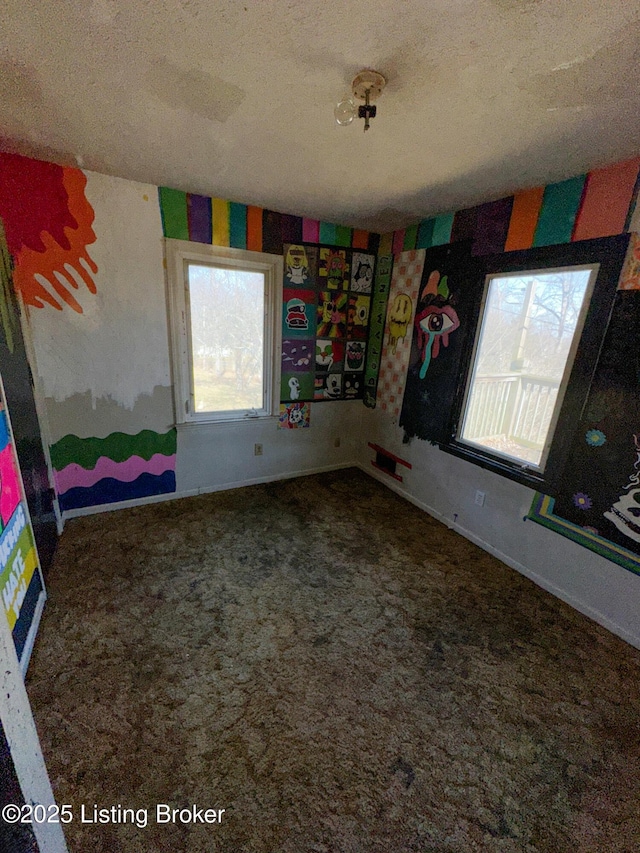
<point>366,86</point>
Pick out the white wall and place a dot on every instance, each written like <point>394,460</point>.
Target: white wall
<point>445,486</point>
<point>218,456</point>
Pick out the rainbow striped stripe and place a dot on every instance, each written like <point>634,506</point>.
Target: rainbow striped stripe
<point>598,204</point>
<point>186,216</point>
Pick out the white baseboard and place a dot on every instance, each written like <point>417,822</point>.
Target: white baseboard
<point>31,636</point>
<point>579,605</point>
<point>189,493</point>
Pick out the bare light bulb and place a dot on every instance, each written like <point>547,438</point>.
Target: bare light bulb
<point>345,111</point>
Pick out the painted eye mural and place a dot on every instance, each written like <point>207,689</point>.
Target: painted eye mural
<point>434,324</point>
<point>435,319</point>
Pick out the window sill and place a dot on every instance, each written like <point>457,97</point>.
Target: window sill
<point>220,422</point>
<point>513,471</point>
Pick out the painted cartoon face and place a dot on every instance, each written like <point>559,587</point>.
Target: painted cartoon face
<point>294,388</point>
<point>297,264</point>
<point>401,310</point>
<point>296,355</point>
<point>324,355</point>
<point>333,387</point>
<point>399,319</point>
<point>335,270</point>
<point>296,415</point>
<point>330,312</point>
<point>355,355</point>
<point>361,311</point>
<point>351,386</point>
<point>296,317</point>
<point>625,514</point>
<point>364,274</point>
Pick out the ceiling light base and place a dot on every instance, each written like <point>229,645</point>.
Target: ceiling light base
<point>370,81</point>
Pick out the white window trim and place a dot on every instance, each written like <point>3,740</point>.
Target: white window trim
<point>594,269</point>
<point>178,253</point>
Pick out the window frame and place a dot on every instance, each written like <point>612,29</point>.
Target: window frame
<point>179,254</point>
<point>594,269</point>
<point>609,254</point>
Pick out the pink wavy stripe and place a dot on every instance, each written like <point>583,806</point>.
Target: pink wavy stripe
<point>9,484</point>
<point>74,475</point>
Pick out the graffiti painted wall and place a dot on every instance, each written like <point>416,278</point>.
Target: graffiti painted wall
<point>325,326</point>
<point>186,216</point>
<point>20,581</point>
<point>597,504</point>
<point>88,256</point>
<point>597,204</point>
<point>326,291</point>
<point>88,265</point>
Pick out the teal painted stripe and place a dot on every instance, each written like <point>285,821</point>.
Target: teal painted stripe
<point>173,209</point>
<point>442,226</point>
<point>560,205</point>
<point>410,237</point>
<point>343,236</point>
<point>237,225</point>
<point>327,233</point>
<point>425,234</point>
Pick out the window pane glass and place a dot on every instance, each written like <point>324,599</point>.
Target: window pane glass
<point>227,338</point>
<point>525,348</point>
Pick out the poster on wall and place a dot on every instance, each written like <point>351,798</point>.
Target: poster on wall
<point>597,502</point>
<point>326,307</point>
<point>396,347</point>
<point>440,327</point>
<point>21,584</point>
<point>376,328</point>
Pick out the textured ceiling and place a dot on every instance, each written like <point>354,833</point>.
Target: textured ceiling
<point>235,98</point>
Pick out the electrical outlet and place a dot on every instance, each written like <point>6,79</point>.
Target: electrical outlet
<point>257,450</point>
<point>336,442</point>
<point>480,496</point>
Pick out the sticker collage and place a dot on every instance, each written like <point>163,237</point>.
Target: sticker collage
<point>325,322</point>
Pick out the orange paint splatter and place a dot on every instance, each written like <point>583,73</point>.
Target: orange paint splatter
<point>48,220</point>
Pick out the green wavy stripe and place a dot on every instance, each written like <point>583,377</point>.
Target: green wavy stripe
<point>118,446</point>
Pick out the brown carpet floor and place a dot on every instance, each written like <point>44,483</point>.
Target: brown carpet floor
<point>336,670</point>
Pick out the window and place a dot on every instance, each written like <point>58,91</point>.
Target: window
<point>223,309</point>
<point>529,330</point>
<point>529,350</point>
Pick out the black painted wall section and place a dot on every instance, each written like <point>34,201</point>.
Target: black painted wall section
<point>19,393</point>
<point>16,838</point>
